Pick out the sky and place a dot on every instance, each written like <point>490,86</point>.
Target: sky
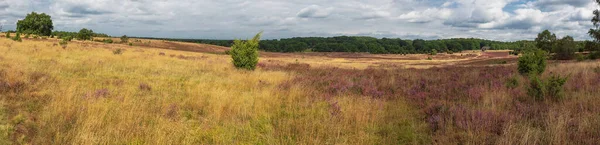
<point>502,20</point>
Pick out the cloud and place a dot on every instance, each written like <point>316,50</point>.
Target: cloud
<point>228,19</point>
<point>314,11</point>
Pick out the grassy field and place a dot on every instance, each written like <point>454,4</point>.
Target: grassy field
<point>87,94</point>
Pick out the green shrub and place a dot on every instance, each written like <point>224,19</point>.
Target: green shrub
<point>67,38</point>
<point>124,39</point>
<point>594,55</point>
<point>27,36</point>
<point>536,88</point>
<point>130,44</point>
<point>17,38</point>
<point>433,52</point>
<point>118,51</point>
<point>429,58</point>
<point>7,35</point>
<point>63,43</point>
<point>245,53</point>
<point>36,37</point>
<point>85,34</point>
<point>107,40</point>
<point>580,57</point>
<point>532,62</point>
<point>512,82</point>
<point>554,87</point>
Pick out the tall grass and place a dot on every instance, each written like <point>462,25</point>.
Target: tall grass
<point>84,94</point>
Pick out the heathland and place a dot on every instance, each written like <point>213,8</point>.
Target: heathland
<point>163,92</point>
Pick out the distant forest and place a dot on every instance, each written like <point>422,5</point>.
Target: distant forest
<point>375,45</point>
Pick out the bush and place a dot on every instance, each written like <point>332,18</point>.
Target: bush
<point>565,48</point>
<point>85,34</point>
<point>580,57</point>
<point>107,40</point>
<point>536,88</point>
<point>130,44</point>
<point>63,42</point>
<point>17,38</point>
<point>67,38</point>
<point>512,82</point>
<point>554,87</point>
<point>118,51</point>
<point>245,53</point>
<point>124,39</point>
<point>532,62</point>
<point>8,35</point>
<point>27,36</point>
<point>36,37</point>
<point>434,52</point>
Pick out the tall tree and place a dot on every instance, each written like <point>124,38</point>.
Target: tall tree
<point>545,40</point>
<point>34,23</point>
<point>565,48</point>
<point>595,31</point>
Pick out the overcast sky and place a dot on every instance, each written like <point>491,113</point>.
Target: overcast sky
<point>504,20</point>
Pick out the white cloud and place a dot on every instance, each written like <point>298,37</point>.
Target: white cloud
<point>228,19</point>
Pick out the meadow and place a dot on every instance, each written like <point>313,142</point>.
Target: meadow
<point>161,92</point>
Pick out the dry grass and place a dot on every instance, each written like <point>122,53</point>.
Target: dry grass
<point>84,94</point>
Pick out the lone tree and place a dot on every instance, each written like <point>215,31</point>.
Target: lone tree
<point>124,39</point>
<point>595,32</point>
<point>564,48</point>
<point>85,34</point>
<point>545,40</point>
<point>34,23</point>
<point>245,53</point>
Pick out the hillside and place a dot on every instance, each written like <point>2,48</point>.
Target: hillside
<point>162,92</point>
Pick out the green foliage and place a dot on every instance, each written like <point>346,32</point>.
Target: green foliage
<point>118,51</point>
<point>554,87</point>
<point>429,58</point>
<point>580,57</point>
<point>27,36</point>
<point>124,39</point>
<point>564,48</point>
<point>245,53</point>
<point>545,40</point>
<point>512,82</point>
<point>67,38</point>
<point>433,52</point>
<point>532,63</point>
<point>130,44</point>
<point>85,34</point>
<point>34,23</point>
<point>63,42</point>
<point>17,38</point>
<point>536,88</point>
<point>7,34</point>
<point>107,40</point>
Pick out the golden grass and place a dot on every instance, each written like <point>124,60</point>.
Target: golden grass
<point>85,94</point>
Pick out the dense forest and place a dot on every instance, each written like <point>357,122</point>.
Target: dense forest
<point>375,45</point>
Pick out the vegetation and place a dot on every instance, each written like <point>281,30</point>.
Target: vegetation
<point>532,63</point>
<point>545,40</point>
<point>85,34</point>
<point>564,48</point>
<point>124,39</point>
<point>17,37</point>
<point>34,23</point>
<point>244,54</point>
<point>7,35</point>
<point>372,45</point>
<point>61,34</point>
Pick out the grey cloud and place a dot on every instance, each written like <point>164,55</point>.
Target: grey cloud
<point>314,11</point>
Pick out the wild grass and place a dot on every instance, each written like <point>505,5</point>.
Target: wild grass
<point>84,94</point>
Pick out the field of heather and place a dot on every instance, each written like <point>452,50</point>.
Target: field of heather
<point>162,92</point>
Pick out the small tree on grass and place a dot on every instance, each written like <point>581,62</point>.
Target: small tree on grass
<point>532,62</point>
<point>564,48</point>
<point>17,37</point>
<point>85,34</point>
<point>245,53</point>
<point>8,35</point>
<point>124,39</point>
